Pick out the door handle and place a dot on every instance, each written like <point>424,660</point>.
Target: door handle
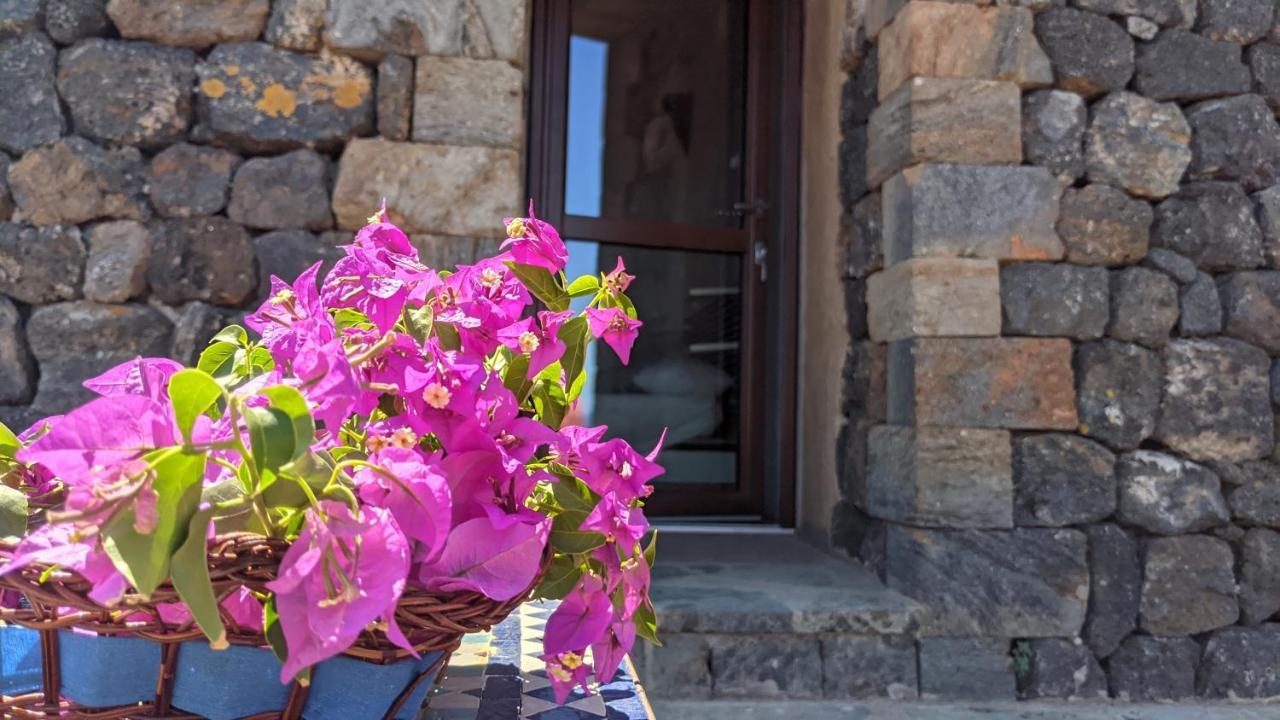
<point>761,255</point>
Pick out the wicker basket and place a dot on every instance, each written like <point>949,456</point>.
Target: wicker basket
<point>433,622</point>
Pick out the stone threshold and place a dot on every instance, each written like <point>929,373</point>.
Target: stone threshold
<point>886,710</point>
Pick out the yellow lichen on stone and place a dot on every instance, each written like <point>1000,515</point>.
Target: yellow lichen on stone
<point>214,88</point>
<point>278,101</point>
<point>233,70</point>
<point>349,94</point>
<point>247,85</point>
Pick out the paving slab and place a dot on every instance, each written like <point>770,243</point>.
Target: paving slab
<point>698,710</point>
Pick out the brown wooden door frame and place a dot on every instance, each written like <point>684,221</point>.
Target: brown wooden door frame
<point>766,439</point>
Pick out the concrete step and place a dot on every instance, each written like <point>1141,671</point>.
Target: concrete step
<point>884,710</point>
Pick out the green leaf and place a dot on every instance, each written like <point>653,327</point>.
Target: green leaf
<point>271,628</point>
<point>562,575</point>
<point>651,551</point>
<point>291,402</point>
<point>550,403</point>
<point>144,558</point>
<point>516,376</point>
<point>646,623</point>
<point>271,437</point>
<point>420,321</point>
<point>219,359</point>
<point>448,334</point>
<point>9,443</point>
<point>190,572</point>
<point>567,538</point>
<point>233,334</point>
<point>350,318</point>
<point>542,285</point>
<point>192,393</point>
<point>584,286</point>
<point>13,514</point>
<point>574,336</point>
<point>625,303</point>
<point>573,495</point>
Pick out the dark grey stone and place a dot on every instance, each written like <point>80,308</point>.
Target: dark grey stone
<point>1235,138</point>
<point>1100,225</point>
<point>853,167</point>
<point>195,326</point>
<point>1144,306</point>
<point>41,264</point>
<point>131,93</point>
<point>395,97</point>
<point>679,668</point>
<point>859,96</point>
<point>1118,388</point>
<point>286,253</point>
<point>1061,479</point>
<point>1259,575</point>
<point>1028,582</point>
<point>1151,669</point>
<point>977,669</point>
<point>867,666</point>
<point>17,371</point>
<point>1188,586</point>
<point>1172,264</point>
<point>1213,224</point>
<point>1053,125</point>
<point>1061,669</point>
<point>861,235</point>
<point>6,200</point>
<point>1160,12</point>
<point>1115,587</point>
<point>1264,61</point>
<point>1137,144</point>
<point>70,20</point>
<point>1141,28</point>
<point>1275,383</point>
<point>1268,202</point>
<point>296,24</point>
<point>1054,299</point>
<point>1216,403</point>
<point>74,181</point>
<point>276,110</point>
<point>30,114</point>
<point>1091,54</point>
<point>1237,21</point>
<point>1251,301</point>
<point>1241,662</point>
<point>286,191</point>
<point>773,666</point>
<point>187,180</point>
<point>1166,495</point>
<point>117,266</point>
<point>209,259</point>
<point>855,304</point>
<point>1183,66</point>
<point>1201,308</point>
<point>20,16</point>
<point>1255,500</point>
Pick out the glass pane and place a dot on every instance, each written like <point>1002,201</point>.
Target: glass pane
<point>655,116</point>
<point>685,367</point>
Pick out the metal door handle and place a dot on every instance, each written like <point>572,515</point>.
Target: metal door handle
<point>761,256</point>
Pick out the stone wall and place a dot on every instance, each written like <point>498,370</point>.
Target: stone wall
<point>1062,234</point>
<point>160,159</point>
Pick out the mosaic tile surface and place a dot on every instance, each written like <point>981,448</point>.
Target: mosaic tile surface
<point>498,676</point>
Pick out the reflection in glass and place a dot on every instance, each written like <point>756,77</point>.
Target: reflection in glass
<point>656,93</point>
<point>685,368</point>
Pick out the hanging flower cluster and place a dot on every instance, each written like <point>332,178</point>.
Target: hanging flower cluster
<point>400,426</point>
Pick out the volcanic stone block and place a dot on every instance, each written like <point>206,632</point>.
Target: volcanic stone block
<point>1053,125</point>
<point>858,96</point>
<point>971,211</point>
<point>941,477</point>
<point>194,25</point>
<point>41,264</point>
<point>1114,589</point>
<point>1029,582</point>
<point>1264,61</point>
<point>6,200</point>
<point>1137,144</point>
<point>862,237</point>
<point>30,114</point>
<point>207,258</point>
<point>1237,21</point>
<point>117,266</point>
<point>774,666</point>
<point>1235,138</point>
<point>1213,224</point>
<point>977,669</point>
<point>285,191</point>
<point>1144,306</point>
<point>73,181</point>
<point>70,20</point>
<point>369,29</point>
<point>1252,304</point>
<point>1119,387</point>
<point>1016,383</point>
<point>1091,54</point>
<point>296,24</point>
<point>1268,202</point>
<point>851,170</point>
<point>1166,495</point>
<point>1240,662</point>
<point>127,93</point>
<point>1188,586</point>
<point>195,325</point>
<point>1059,669</point>
<point>287,253</point>
<point>1172,264</point>
<point>259,98</point>
<point>946,120</point>
<point>869,666</point>
<point>1216,403</point>
<point>940,39</point>
<point>429,188</point>
<point>1256,500</point>
<point>1160,12</point>
<point>1054,300</point>
<point>934,297</point>
<point>187,180</point>
<point>460,101</point>
<point>1184,66</point>
<point>20,16</point>
<point>17,371</point>
<point>1201,308</point>
<point>1100,225</point>
<point>1061,480</point>
<point>1141,28</point>
<point>1259,575</point>
<point>1151,669</point>
<point>680,668</point>
<point>395,97</point>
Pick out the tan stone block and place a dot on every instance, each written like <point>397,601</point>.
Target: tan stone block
<point>880,13</point>
<point>925,297</point>
<point>950,40</point>
<point>950,120</point>
<point>429,188</point>
<point>1014,383</point>
<point>460,101</point>
<point>940,477</point>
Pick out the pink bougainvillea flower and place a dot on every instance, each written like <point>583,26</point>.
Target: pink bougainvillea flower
<point>326,379</point>
<point>492,282</point>
<point>418,496</point>
<point>617,330</point>
<point>539,341</point>
<point>105,432</point>
<point>241,606</point>
<point>531,241</point>
<point>617,521</point>
<point>581,617</point>
<point>341,575</point>
<point>617,281</point>
<point>607,652</point>
<point>61,544</point>
<point>566,671</point>
<point>287,306</point>
<point>141,376</point>
<point>483,555</point>
<point>615,466</point>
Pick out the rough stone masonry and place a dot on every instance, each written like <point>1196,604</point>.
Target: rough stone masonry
<point>1062,263</point>
<point>161,159</point>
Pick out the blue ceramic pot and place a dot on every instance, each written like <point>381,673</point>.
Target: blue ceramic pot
<point>106,671</point>
<point>19,660</point>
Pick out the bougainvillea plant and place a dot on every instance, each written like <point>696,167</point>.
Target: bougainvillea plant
<point>398,425</point>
